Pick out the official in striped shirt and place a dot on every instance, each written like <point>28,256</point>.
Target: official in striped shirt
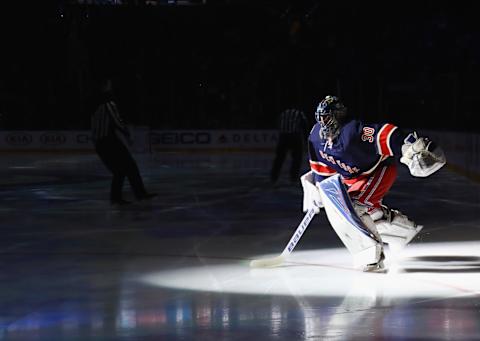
<point>110,136</point>
<point>293,133</point>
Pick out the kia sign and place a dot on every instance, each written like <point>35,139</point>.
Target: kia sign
<point>19,139</point>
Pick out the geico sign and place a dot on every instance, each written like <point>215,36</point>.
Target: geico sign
<point>18,139</point>
<point>181,138</point>
<point>53,139</point>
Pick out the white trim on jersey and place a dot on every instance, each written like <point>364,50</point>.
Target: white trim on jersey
<point>383,139</point>
<point>380,159</point>
<point>321,169</point>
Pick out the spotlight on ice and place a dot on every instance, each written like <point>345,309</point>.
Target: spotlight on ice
<point>421,270</point>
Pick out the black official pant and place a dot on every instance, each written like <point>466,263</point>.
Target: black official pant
<point>286,143</point>
<point>117,158</point>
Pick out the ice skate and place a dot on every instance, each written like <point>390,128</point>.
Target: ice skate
<point>378,267</point>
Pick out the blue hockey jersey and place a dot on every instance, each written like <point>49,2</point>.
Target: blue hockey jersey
<point>357,151</point>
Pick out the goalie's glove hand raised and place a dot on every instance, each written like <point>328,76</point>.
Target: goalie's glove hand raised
<point>311,194</point>
<point>421,155</point>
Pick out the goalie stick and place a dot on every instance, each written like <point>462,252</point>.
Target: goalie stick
<point>274,261</point>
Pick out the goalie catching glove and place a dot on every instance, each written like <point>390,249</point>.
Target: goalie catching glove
<point>311,194</point>
<point>421,155</point>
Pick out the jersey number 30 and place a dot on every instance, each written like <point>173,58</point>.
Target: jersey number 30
<point>368,134</point>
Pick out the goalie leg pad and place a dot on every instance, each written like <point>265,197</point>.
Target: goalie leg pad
<point>366,247</point>
<point>396,229</point>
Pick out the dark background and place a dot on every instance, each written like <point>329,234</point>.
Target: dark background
<point>237,64</point>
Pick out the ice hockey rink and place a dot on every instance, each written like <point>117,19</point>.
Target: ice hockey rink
<point>177,268</point>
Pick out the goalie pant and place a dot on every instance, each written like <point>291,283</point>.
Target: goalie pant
<point>370,190</point>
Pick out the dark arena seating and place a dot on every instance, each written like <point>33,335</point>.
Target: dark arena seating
<point>236,64</point>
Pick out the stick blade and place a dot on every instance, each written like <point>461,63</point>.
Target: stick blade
<point>267,262</point>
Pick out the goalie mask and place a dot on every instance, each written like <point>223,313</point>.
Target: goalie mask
<point>330,113</point>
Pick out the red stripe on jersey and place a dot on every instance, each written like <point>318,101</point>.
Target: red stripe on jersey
<point>321,169</point>
<point>383,139</point>
<point>351,181</point>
